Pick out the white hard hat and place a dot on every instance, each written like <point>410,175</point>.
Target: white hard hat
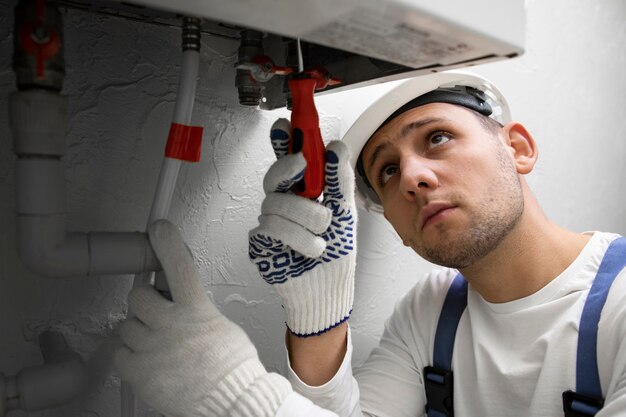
<point>457,87</point>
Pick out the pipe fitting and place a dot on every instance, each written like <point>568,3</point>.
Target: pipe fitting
<point>121,253</point>
<point>47,249</point>
<point>191,34</point>
<point>250,91</point>
<point>59,380</point>
<point>39,124</point>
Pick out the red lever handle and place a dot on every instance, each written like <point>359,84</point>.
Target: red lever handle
<point>306,137</point>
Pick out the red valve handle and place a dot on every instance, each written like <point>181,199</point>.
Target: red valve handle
<point>306,137</point>
<point>266,64</point>
<point>322,77</point>
<point>41,49</point>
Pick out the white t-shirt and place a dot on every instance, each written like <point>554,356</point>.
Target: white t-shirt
<point>510,359</point>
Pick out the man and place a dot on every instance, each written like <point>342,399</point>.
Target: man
<point>441,159</point>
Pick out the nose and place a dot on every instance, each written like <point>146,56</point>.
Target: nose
<point>416,178</point>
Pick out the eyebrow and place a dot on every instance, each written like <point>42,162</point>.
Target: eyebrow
<point>406,129</point>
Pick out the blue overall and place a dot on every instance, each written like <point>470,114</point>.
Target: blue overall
<point>586,401</point>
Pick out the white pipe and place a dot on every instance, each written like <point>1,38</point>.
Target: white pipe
<point>171,167</point>
<point>60,379</point>
<point>38,121</point>
<point>187,87</point>
<point>165,188</point>
<point>182,115</point>
<point>48,250</point>
<point>183,110</point>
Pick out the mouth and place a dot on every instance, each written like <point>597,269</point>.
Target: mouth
<point>433,213</point>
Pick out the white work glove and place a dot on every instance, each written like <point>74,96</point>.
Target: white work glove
<point>183,357</point>
<point>307,249</point>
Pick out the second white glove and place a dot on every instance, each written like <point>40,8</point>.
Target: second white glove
<point>183,357</point>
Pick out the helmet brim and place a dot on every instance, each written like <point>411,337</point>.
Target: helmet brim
<point>378,113</point>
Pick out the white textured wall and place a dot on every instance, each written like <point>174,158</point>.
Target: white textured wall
<point>569,88</point>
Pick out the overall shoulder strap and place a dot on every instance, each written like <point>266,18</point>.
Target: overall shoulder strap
<point>438,381</point>
<point>587,400</point>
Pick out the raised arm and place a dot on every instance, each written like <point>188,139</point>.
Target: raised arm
<point>306,249</point>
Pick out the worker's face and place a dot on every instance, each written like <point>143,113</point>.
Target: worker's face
<point>448,185</point>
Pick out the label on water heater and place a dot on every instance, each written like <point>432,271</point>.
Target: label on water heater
<point>398,36</point>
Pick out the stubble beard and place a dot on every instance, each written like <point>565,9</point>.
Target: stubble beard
<point>492,221</point>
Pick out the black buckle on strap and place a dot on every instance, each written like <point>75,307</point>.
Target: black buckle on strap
<point>578,405</point>
<point>438,384</point>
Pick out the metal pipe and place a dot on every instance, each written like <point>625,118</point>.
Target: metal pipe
<point>251,46</point>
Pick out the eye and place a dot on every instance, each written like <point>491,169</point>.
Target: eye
<point>386,173</point>
<point>437,139</point>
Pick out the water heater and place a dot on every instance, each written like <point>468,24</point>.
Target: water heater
<point>355,42</point>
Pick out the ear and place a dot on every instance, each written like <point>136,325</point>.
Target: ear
<point>523,145</point>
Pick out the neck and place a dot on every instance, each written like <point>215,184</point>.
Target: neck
<point>534,253</point>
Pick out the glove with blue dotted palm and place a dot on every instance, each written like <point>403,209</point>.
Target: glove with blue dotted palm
<point>183,357</point>
<point>307,249</point>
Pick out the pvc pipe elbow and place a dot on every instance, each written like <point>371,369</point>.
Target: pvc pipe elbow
<point>52,384</point>
<point>46,249</point>
<point>61,378</point>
